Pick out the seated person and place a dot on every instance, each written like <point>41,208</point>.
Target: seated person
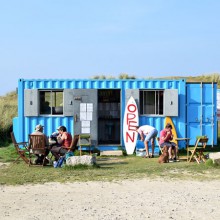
<point>54,136</point>
<point>64,139</point>
<point>53,139</point>
<point>39,131</point>
<point>166,137</point>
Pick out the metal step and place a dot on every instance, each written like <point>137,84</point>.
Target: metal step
<point>111,153</point>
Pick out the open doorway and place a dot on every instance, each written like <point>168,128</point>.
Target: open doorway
<point>109,111</point>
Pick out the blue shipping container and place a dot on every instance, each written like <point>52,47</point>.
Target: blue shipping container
<point>97,107</point>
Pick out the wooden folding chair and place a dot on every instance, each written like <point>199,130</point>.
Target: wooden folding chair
<point>37,146</point>
<point>197,152</point>
<point>74,142</point>
<point>84,141</point>
<point>21,149</point>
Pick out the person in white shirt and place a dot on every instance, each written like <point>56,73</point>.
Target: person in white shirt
<point>147,133</point>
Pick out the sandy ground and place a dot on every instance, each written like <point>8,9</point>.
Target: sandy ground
<point>130,199</point>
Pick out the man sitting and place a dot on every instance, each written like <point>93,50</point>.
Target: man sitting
<point>166,137</point>
<point>39,131</point>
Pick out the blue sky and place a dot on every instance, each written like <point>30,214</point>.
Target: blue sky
<point>83,38</point>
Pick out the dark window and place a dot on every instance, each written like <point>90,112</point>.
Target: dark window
<point>151,102</point>
<point>51,102</point>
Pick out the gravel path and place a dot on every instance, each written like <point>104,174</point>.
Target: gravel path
<point>130,199</point>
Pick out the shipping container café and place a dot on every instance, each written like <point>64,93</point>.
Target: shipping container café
<point>97,107</point>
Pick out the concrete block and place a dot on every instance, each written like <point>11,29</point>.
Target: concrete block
<point>215,157</point>
<point>85,159</point>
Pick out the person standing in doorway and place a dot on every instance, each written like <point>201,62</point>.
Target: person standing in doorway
<point>147,133</point>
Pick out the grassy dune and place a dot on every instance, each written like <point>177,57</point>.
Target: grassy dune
<point>203,78</point>
<point>8,110</point>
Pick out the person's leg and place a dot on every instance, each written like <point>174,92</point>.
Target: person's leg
<point>174,147</point>
<point>151,136</point>
<point>174,151</point>
<point>55,151</point>
<point>154,135</point>
<point>152,146</point>
<point>146,148</point>
<point>169,145</point>
<point>170,152</point>
<point>63,151</point>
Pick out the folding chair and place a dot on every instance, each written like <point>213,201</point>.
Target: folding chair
<point>37,146</point>
<point>197,152</point>
<point>161,149</point>
<point>21,149</point>
<point>74,142</point>
<point>84,141</point>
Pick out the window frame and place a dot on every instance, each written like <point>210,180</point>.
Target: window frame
<point>156,102</point>
<point>51,101</point>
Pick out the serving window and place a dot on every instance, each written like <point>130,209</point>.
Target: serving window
<point>157,102</point>
<point>151,102</point>
<point>51,102</point>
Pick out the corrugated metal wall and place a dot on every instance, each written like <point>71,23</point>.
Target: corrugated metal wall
<point>218,104</point>
<point>25,125</point>
<point>202,111</point>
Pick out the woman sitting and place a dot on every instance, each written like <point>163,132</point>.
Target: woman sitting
<point>64,139</point>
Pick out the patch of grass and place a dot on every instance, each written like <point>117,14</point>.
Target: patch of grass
<point>77,153</point>
<point>8,154</point>
<point>210,162</point>
<point>81,167</point>
<point>107,169</point>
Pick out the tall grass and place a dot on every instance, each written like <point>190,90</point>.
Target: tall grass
<point>215,77</point>
<point>8,110</point>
